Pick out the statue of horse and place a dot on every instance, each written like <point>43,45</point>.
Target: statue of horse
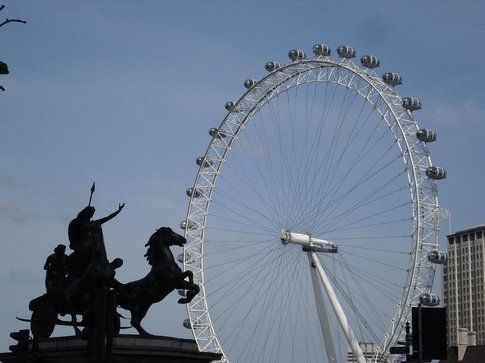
<point>164,276</point>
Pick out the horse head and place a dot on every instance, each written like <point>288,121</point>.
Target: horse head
<point>160,240</point>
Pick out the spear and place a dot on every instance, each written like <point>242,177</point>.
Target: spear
<point>93,187</point>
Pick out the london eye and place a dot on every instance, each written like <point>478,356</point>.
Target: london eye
<point>311,225</point>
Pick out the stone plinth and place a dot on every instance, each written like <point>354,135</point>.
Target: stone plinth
<point>126,349</point>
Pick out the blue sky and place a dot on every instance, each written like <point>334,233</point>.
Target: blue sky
<point>124,93</point>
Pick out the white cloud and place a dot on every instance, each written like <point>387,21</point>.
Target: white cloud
<point>14,212</point>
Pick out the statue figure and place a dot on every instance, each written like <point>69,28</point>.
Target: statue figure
<point>56,268</point>
<point>164,276</point>
<point>71,281</point>
<point>86,240</point>
<point>88,264</point>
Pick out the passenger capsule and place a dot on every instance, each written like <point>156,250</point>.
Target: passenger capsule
<point>205,163</point>
<point>346,51</point>
<point>369,61</point>
<point>214,132</point>
<point>426,135</point>
<point>249,83</point>
<point>321,49</point>
<point>296,54</point>
<point>436,172</point>
<point>428,299</point>
<point>272,66</point>
<point>190,225</point>
<point>392,79</point>
<point>180,258</point>
<point>437,257</point>
<point>411,103</point>
<point>230,106</point>
<point>187,324</point>
<point>194,192</point>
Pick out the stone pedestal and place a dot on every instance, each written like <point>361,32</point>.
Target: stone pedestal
<point>126,349</point>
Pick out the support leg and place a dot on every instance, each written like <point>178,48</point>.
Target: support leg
<point>322,314</point>
<point>349,334</point>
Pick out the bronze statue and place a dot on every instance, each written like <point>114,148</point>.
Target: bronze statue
<point>76,283</point>
<point>164,276</point>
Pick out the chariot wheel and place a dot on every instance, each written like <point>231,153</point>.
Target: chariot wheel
<point>44,317</point>
<point>311,226</point>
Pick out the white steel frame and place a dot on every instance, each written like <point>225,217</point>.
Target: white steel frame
<point>415,156</point>
<point>342,318</point>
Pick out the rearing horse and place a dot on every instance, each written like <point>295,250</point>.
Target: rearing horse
<point>164,276</point>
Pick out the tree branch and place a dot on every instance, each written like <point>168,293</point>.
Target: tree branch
<point>2,7</point>
<point>6,21</point>
<point>2,88</point>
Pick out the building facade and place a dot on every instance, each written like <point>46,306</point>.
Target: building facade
<point>463,284</point>
<point>368,349</point>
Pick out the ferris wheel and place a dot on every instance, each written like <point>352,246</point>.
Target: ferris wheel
<point>311,226</point>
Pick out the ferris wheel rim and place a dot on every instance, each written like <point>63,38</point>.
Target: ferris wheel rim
<point>390,98</point>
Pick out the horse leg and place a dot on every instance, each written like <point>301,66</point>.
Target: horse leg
<point>137,314</point>
<point>142,313</point>
<point>77,331</point>
<point>135,320</point>
<point>188,274</point>
<point>192,288</point>
<point>192,292</point>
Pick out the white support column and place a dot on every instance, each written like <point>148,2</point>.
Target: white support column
<point>322,314</point>
<point>353,343</point>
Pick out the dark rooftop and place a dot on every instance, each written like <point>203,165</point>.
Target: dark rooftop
<point>471,229</point>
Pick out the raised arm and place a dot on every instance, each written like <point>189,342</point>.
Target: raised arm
<point>111,216</point>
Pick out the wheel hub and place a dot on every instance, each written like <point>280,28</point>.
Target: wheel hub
<point>308,242</point>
